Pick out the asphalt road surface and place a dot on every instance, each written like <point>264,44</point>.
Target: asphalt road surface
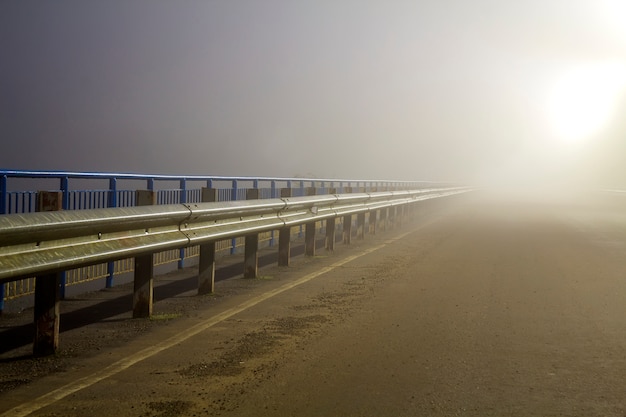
<point>480,307</point>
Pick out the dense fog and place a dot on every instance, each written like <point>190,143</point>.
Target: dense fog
<point>523,95</point>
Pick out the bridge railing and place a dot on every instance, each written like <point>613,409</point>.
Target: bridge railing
<point>88,190</point>
<point>45,244</point>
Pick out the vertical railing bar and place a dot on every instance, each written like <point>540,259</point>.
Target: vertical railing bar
<point>65,188</point>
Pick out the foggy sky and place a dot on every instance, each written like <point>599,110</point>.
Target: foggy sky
<point>416,90</point>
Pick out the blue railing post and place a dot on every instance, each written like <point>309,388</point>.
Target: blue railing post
<point>112,192</point>
<point>233,193</point>
<point>183,200</point>
<point>233,197</point>
<point>183,191</point>
<point>112,203</point>
<point>3,194</point>
<point>65,188</point>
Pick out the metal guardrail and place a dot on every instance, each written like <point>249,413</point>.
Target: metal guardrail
<point>46,242</point>
<point>19,191</point>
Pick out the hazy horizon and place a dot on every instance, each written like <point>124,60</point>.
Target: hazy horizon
<point>503,94</point>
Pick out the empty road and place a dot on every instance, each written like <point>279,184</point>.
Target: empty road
<point>480,307</point>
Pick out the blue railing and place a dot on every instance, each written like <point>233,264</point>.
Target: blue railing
<point>90,190</point>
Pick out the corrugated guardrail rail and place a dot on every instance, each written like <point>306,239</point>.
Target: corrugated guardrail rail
<point>47,243</point>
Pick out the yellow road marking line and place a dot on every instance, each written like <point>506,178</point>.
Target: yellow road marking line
<point>119,366</point>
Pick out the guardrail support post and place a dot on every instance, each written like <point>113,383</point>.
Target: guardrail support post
<point>360,226</point>
<point>373,215</point>
<point>384,219</point>
<point>372,221</point>
<point>206,273</point>
<point>330,228</point>
<point>251,252</point>
<point>47,291</point>
<point>394,216</point>
<point>399,216</point>
<point>144,268</point>
<point>347,223</point>
<point>284,236</point>
<point>415,210</point>
<point>309,231</point>
<point>47,316</point>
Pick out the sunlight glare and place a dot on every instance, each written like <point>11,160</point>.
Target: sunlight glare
<point>584,99</point>
<point>613,16</point>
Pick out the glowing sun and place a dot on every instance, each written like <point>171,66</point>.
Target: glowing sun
<point>583,100</point>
